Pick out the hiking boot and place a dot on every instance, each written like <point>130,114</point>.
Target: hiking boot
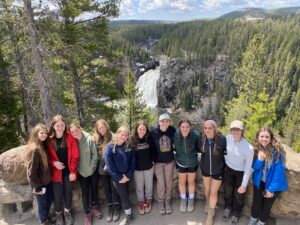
<point>234,220</point>
<point>252,221</point>
<point>206,206</point>
<point>117,212</point>
<point>168,206</point>
<point>148,205</point>
<point>162,209</point>
<point>59,218</point>
<point>141,208</point>
<point>110,212</point>
<point>95,210</point>
<point>210,217</point>
<point>226,214</point>
<point>183,203</point>
<point>88,219</point>
<point>68,218</point>
<point>191,203</point>
<point>127,220</point>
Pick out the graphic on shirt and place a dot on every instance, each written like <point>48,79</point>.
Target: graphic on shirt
<point>165,144</point>
<point>142,146</point>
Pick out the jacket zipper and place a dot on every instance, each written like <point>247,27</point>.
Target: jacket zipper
<point>187,160</point>
<point>210,158</point>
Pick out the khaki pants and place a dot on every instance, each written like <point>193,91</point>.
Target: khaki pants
<point>164,176</point>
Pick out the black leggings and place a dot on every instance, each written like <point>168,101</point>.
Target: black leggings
<point>87,184</point>
<point>233,199</point>
<point>123,191</point>
<point>62,192</point>
<point>261,206</point>
<point>111,194</point>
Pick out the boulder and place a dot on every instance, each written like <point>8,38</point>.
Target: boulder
<point>12,193</point>
<point>12,167</point>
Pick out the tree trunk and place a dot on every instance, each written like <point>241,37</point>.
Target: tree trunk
<point>40,70</point>
<point>77,92</point>
<point>24,87</point>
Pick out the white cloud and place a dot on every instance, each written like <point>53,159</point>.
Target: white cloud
<point>127,8</point>
<point>214,4</point>
<point>170,5</point>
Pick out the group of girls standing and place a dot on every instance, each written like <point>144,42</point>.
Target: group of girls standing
<point>55,159</point>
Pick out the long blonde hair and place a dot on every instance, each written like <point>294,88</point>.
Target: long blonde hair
<point>51,133</point>
<point>275,143</point>
<point>35,144</point>
<point>120,129</point>
<point>107,137</point>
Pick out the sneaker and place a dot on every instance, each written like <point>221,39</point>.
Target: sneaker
<point>148,205</point>
<point>117,212</point>
<point>190,206</point>
<point>88,219</point>
<point>110,212</point>
<point>168,206</point>
<point>141,208</point>
<point>183,203</point>
<point>234,220</point>
<point>260,223</point>
<point>68,218</point>
<point>127,220</point>
<point>95,210</point>
<point>226,214</point>
<point>59,218</point>
<point>252,221</point>
<point>162,209</point>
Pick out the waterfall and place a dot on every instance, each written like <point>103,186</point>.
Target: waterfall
<point>147,86</point>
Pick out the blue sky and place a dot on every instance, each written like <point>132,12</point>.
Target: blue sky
<point>191,9</point>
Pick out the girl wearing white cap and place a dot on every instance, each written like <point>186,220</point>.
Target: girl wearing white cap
<point>237,171</point>
<point>163,140</point>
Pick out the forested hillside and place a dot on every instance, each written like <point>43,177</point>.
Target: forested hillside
<point>58,61</point>
<point>262,86</point>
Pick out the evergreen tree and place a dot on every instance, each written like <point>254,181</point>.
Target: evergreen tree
<point>261,113</point>
<point>134,108</point>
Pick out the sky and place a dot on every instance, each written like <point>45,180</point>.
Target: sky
<point>180,10</point>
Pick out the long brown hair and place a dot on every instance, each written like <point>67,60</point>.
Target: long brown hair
<point>52,133</point>
<point>135,137</point>
<point>107,137</point>
<point>275,143</point>
<point>35,144</point>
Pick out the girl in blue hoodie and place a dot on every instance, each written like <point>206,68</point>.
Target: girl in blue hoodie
<point>120,161</point>
<point>268,176</point>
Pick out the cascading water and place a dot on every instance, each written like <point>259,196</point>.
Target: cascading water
<point>146,84</point>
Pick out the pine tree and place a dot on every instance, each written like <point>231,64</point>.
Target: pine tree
<point>134,108</point>
<point>261,113</point>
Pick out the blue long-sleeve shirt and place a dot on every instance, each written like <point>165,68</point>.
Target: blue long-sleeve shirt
<point>120,160</point>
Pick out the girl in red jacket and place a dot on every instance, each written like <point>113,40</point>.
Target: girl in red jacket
<point>64,157</point>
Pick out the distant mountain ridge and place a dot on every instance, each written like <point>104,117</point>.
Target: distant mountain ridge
<point>139,22</point>
<point>261,13</point>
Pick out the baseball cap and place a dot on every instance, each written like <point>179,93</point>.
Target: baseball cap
<point>164,116</point>
<point>237,124</point>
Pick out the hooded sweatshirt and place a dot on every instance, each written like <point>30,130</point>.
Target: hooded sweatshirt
<point>88,155</point>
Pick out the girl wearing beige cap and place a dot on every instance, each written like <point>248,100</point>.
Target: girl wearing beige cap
<point>237,171</point>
